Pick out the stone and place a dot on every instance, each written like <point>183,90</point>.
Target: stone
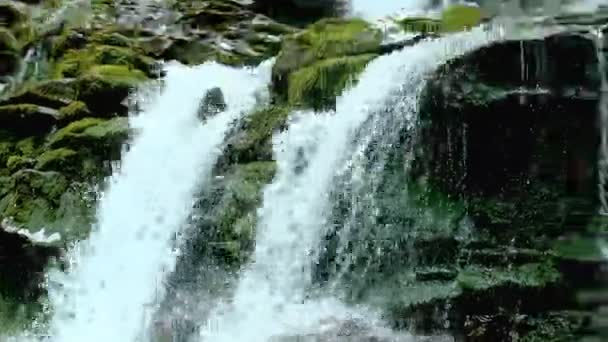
<point>212,104</point>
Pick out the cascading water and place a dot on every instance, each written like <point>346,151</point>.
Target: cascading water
<point>274,297</point>
<point>149,199</point>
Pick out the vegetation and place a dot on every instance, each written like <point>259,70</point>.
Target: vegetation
<point>319,84</point>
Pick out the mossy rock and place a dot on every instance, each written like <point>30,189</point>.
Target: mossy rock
<point>32,197</point>
<point>579,248</point>
<point>76,110</point>
<point>339,37</point>
<point>49,93</point>
<point>45,200</point>
<point>189,51</point>
<point>326,39</point>
<point>16,163</point>
<point>234,218</point>
<point>67,40</point>
<point>62,159</point>
<point>460,17</point>
<point>536,275</point>
<point>422,25</point>
<point>98,138</point>
<point>104,87</point>
<point>7,41</point>
<point>113,39</point>
<point>252,142</point>
<point>77,62</point>
<point>318,85</point>
<point>10,14</point>
<point>38,93</point>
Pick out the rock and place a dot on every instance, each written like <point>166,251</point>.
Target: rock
<point>38,95</point>
<point>252,141</point>
<point>76,110</point>
<point>100,138</point>
<point>212,104</point>
<point>62,159</point>
<point>20,255</point>
<point>104,87</point>
<point>299,12</point>
<point>10,14</point>
<point>27,119</point>
<point>333,48</point>
<point>9,63</point>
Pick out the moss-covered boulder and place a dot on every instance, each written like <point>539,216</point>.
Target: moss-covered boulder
<point>319,84</point>
<point>103,88</point>
<point>321,60</point>
<point>11,14</point>
<point>99,138</point>
<point>252,141</point>
<point>453,19</point>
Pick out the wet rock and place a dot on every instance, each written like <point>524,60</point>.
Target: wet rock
<point>27,119</point>
<point>20,255</point>
<point>300,12</point>
<point>212,104</point>
<point>333,49</point>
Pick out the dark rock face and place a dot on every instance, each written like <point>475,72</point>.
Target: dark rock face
<point>501,132</point>
<point>299,12</point>
<point>22,266</point>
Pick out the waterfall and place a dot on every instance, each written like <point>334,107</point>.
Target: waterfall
<point>274,297</point>
<point>119,269</point>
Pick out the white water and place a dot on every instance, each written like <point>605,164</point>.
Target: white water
<point>116,271</point>
<point>271,298</point>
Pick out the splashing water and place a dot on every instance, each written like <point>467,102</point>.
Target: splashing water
<point>149,199</point>
<point>273,298</point>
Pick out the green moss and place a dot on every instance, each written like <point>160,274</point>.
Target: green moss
<point>32,197</point>
<point>319,84</point>
<point>253,142</point>
<point>10,14</point>
<point>62,159</point>
<point>16,163</point>
<point>460,17</point>
<point>581,249</point>
<point>340,37</point>
<point>423,25</point>
<point>7,41</point>
<point>235,218</point>
<point>18,109</point>
<point>51,93</point>
<point>91,133</point>
<point>112,39</point>
<point>77,62</point>
<point>15,316</point>
<point>475,278</point>
<point>74,111</point>
<point>6,150</point>
<point>104,87</point>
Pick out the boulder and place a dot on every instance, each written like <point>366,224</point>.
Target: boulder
<point>27,119</point>
<point>335,49</point>
<point>212,104</point>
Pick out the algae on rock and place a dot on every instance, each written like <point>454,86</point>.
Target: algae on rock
<point>331,49</point>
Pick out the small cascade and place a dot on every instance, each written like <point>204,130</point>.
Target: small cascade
<point>275,297</point>
<point>119,270</point>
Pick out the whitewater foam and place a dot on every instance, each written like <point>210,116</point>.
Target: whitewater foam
<point>113,277</point>
<point>273,295</point>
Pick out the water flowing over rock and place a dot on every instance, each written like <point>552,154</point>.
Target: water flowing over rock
<point>407,170</point>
